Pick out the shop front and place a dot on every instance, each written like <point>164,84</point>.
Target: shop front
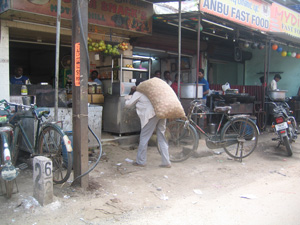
<point>29,33</point>
<point>239,38</point>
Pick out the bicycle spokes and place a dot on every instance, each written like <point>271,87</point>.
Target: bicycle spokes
<point>240,136</point>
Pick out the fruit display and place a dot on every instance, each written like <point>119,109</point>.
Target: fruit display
<point>123,46</point>
<point>100,46</point>
<point>129,66</point>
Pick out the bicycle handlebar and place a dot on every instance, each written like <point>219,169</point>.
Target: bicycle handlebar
<point>32,106</point>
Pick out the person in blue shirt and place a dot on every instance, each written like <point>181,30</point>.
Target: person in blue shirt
<point>202,80</point>
<point>94,77</point>
<point>19,78</point>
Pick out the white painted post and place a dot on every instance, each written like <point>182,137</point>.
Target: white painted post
<point>42,179</point>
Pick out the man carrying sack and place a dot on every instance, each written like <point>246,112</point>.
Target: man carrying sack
<point>153,116</point>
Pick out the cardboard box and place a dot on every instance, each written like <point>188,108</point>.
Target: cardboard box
<point>96,98</point>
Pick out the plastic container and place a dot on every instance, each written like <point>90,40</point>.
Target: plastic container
<point>98,89</point>
<point>64,149</point>
<point>24,90</point>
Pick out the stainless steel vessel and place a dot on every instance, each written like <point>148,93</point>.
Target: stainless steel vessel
<point>277,95</point>
<point>188,90</point>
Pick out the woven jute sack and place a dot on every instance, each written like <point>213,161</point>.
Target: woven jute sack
<point>164,100</point>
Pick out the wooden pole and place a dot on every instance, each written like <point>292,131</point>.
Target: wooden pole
<point>80,70</point>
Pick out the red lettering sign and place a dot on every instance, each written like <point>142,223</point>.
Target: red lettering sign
<point>77,64</point>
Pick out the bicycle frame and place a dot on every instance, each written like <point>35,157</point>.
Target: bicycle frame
<point>31,148</point>
<point>19,130</point>
<point>201,130</point>
<point>209,136</point>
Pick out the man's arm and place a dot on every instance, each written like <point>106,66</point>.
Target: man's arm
<point>135,97</point>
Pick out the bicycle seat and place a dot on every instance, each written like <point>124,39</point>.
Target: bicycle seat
<point>222,108</point>
<point>42,112</point>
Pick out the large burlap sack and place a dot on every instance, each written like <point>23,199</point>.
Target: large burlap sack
<point>164,100</point>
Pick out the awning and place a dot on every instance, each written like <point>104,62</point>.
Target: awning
<point>285,37</point>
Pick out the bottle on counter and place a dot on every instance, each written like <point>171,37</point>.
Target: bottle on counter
<point>24,90</point>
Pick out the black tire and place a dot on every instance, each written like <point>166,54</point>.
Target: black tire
<point>183,140</point>
<point>241,136</point>
<point>288,146</point>
<point>50,144</point>
<point>9,186</point>
<point>292,131</point>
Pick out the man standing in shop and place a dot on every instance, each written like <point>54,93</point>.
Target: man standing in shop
<point>273,84</point>
<point>167,77</point>
<point>18,77</point>
<point>202,80</point>
<point>157,74</point>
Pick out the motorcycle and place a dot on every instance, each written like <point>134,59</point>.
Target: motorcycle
<point>284,125</point>
<point>8,171</point>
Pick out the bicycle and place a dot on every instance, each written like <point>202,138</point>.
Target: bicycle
<point>8,160</point>
<point>49,139</point>
<point>238,136</point>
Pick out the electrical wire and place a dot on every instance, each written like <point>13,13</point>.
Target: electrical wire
<point>96,163</point>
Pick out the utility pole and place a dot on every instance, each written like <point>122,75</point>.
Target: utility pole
<point>80,70</point>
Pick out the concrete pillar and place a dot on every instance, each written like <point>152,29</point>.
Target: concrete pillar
<point>4,62</point>
<point>43,180</point>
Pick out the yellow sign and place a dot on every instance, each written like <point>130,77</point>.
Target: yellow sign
<point>285,20</point>
<point>251,13</point>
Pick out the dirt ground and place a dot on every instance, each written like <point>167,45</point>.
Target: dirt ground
<point>209,190</point>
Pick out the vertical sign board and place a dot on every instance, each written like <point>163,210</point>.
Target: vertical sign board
<point>77,64</point>
<point>42,179</point>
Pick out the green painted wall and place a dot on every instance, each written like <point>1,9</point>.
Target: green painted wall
<point>288,65</point>
<point>233,72</point>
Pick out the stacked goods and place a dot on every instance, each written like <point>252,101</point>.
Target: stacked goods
<point>164,100</point>
<point>100,46</point>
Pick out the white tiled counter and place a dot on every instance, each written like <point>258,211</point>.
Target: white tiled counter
<point>65,115</point>
<point>94,120</point>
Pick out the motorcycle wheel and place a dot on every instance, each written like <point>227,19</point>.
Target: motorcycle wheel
<point>292,132</point>
<point>288,146</point>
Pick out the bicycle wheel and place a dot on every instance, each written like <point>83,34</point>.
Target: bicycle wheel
<point>182,139</point>
<point>50,145</point>
<point>240,136</point>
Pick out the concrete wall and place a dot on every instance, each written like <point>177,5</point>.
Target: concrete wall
<point>94,120</point>
<point>233,72</point>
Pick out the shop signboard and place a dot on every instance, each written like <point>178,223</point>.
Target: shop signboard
<point>284,20</point>
<point>250,13</point>
<point>132,15</point>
